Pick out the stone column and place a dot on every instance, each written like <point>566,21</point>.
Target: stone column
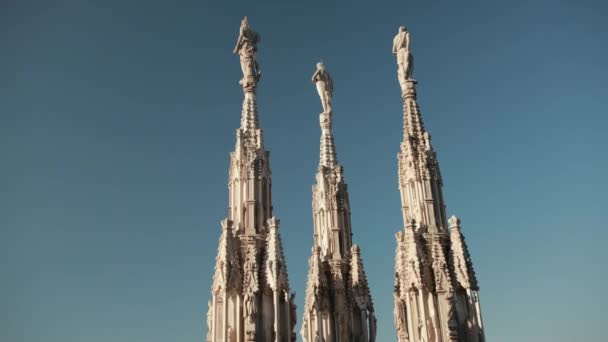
<point>277,329</point>
<point>320,326</point>
<point>423,315</point>
<point>213,323</point>
<point>225,327</point>
<point>287,319</point>
<point>408,309</point>
<point>239,318</point>
<point>364,326</point>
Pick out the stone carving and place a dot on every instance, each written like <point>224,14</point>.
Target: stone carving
<point>400,317</point>
<point>325,86</point>
<point>433,270</point>
<point>338,305</point>
<point>405,59</point>
<point>231,337</point>
<point>248,245</point>
<point>246,47</point>
<point>209,320</point>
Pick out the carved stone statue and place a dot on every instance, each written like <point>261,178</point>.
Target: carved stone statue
<point>399,315</point>
<point>246,47</point>
<point>325,86</point>
<point>250,307</point>
<point>231,336</point>
<point>209,316</point>
<point>405,60</point>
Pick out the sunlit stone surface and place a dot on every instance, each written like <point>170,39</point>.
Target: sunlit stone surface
<point>338,301</point>
<point>251,299</point>
<point>436,292</point>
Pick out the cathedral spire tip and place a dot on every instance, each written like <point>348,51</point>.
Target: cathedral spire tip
<point>325,87</point>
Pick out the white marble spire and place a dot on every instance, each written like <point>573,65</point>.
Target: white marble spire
<point>338,305</point>
<point>434,298</point>
<point>251,299</point>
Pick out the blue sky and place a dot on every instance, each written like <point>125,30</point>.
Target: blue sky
<point>117,119</point>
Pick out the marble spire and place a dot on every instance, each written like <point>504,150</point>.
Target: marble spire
<point>250,296</point>
<point>436,296</point>
<point>338,305</point>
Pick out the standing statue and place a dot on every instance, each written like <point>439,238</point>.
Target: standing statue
<point>250,307</point>
<point>405,60</point>
<point>399,315</point>
<point>246,47</point>
<point>325,86</point>
<point>209,319</point>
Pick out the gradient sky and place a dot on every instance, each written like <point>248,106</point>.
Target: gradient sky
<point>117,119</point>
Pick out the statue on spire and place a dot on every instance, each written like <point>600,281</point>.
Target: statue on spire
<point>405,59</point>
<point>246,47</point>
<point>325,86</point>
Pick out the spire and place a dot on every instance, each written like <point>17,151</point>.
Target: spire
<point>227,269</point>
<point>317,280</point>
<point>427,255</point>
<point>410,271</point>
<point>359,280</point>
<point>338,301</point>
<point>463,266</point>
<point>251,299</point>
<point>276,269</point>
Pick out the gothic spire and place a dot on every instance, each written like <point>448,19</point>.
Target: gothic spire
<point>463,266</point>
<point>428,307</point>
<point>251,299</point>
<point>338,301</point>
<point>276,268</point>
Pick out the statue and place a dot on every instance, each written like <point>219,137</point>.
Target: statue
<point>399,315</point>
<point>209,319</point>
<point>231,336</point>
<point>246,47</point>
<point>405,60</point>
<point>250,307</point>
<point>325,86</point>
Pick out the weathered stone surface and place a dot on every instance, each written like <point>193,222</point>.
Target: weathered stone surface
<point>436,292</point>
<point>251,299</point>
<point>338,305</point>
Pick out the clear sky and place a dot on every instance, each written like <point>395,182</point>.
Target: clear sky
<point>117,119</point>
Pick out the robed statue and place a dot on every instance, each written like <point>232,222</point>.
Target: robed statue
<point>405,60</point>
<point>325,86</point>
<point>246,47</point>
